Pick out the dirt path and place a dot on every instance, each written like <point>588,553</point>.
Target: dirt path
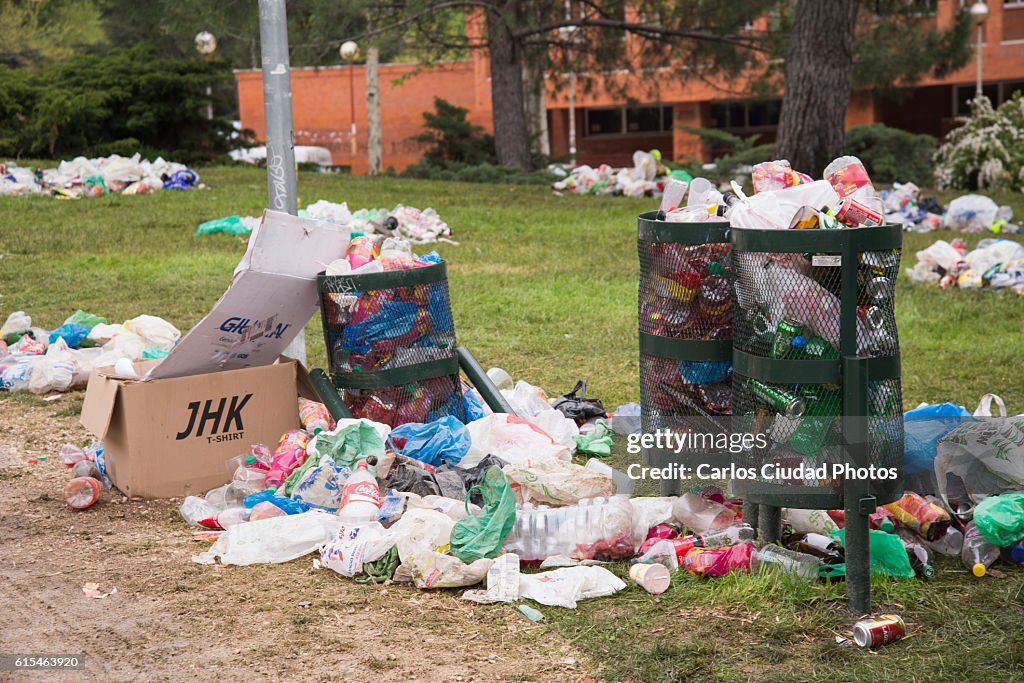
<point>173,620</point>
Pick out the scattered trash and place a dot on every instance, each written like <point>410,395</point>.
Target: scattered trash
<point>83,177</point>
<point>92,591</point>
<point>993,264</point>
<point>412,224</point>
<point>530,613</point>
<point>82,492</point>
<point>232,225</point>
<point>647,176</point>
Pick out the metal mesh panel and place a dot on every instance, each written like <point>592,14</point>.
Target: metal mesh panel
<point>684,290</point>
<point>788,308</point>
<point>391,330</point>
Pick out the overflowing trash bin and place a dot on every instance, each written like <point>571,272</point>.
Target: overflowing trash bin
<point>391,345</point>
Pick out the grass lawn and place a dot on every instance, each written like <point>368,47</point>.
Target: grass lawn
<point>545,287</point>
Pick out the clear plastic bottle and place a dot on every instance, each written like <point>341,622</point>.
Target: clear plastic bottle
<point>701,515</point>
<point>232,516</point>
<point>951,543</point>
<point>360,499</point>
<point>1014,553</point>
<point>397,254</point>
<point>776,558</point>
<point>918,553</point>
<point>82,492</point>
<point>593,529</point>
<point>817,521</point>
<point>314,416</point>
<point>730,535</point>
<point>71,454</point>
<point>86,468</point>
<point>978,554</point>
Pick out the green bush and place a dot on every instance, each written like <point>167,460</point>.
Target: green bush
<point>453,139</point>
<point>987,151</point>
<point>891,155</point>
<point>125,101</point>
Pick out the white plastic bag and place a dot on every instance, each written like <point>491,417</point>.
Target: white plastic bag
<point>970,213</point>
<point>272,540</point>
<point>941,254</point>
<point>54,371</point>
<point>16,322</point>
<point>346,553</point>
<point>565,587</point>
<point>154,331</point>
<point>511,438</point>
<point>649,511</point>
<point>431,569</point>
<point>556,483</point>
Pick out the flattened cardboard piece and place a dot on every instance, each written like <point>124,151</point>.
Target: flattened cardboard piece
<point>272,297</point>
<point>172,437</point>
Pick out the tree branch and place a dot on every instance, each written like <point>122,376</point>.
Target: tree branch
<point>646,30</point>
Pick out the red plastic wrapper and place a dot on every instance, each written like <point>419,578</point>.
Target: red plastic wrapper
<point>719,561</point>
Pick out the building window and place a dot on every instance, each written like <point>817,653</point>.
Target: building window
<point>752,115</point>
<point>997,93</point>
<point>625,120</point>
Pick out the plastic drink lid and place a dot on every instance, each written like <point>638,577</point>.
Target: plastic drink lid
<point>250,460</point>
<point>979,569</point>
<point>887,526</point>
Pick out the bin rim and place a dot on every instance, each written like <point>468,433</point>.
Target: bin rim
<point>875,238</point>
<point>651,229</point>
<point>422,275</point>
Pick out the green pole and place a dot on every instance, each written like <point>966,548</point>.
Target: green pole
<point>855,438</point>
<point>329,395</point>
<point>495,401</point>
<point>751,513</point>
<point>769,523</point>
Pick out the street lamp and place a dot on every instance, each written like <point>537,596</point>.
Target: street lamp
<point>979,13</point>
<point>206,43</point>
<point>349,51</point>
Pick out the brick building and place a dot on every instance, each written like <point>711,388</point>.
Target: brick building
<point>606,130</point>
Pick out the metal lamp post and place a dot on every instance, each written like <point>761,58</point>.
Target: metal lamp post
<point>979,13</point>
<point>349,51</point>
<point>206,43</point>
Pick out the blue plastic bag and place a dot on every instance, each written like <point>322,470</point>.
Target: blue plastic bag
<point>443,440</point>
<point>705,371</point>
<point>472,405</point>
<point>922,429</point>
<point>73,335</point>
<point>289,506</point>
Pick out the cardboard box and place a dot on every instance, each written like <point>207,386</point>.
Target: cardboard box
<point>271,298</point>
<point>171,437</point>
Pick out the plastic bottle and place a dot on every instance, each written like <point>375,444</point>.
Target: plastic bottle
<point>848,177</point>
<point>71,454</point>
<point>396,254</point>
<point>226,518</point>
<point>701,515</point>
<point>673,195</point>
<point>772,175</point>
<point>667,552</point>
<point>825,548</point>
<point>86,468</point>
<point>795,564</point>
<point>289,454</point>
<point>925,519</point>
<point>951,543</point>
<point>730,535</point>
<point>593,529</point>
<point>919,555</point>
<point>978,554</point>
<point>314,416</point>
<point>1014,553</point>
<point>360,499</point>
<point>883,520</point>
<point>82,492</point>
<point>194,508</point>
<point>361,250</point>
<point>806,521</point>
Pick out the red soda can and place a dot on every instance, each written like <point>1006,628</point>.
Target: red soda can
<point>855,214</point>
<point>881,630</point>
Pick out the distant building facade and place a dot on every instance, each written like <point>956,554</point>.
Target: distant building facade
<point>608,131</point>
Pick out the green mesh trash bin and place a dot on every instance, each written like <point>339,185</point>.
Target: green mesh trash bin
<point>817,374</point>
<point>391,345</point>
<point>685,332</point>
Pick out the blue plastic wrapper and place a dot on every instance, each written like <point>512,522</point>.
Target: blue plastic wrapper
<point>705,371</point>
<point>395,319</point>
<point>472,405</point>
<point>181,180</point>
<point>73,335</point>
<point>922,429</point>
<point>443,440</point>
<point>291,507</point>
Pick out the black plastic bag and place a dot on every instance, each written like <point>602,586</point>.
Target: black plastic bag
<point>580,408</point>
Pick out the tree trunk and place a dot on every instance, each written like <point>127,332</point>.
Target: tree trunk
<point>511,134</point>
<point>536,108</point>
<point>373,144</point>
<point>819,76</point>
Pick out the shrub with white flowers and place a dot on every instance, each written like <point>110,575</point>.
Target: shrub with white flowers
<point>987,151</point>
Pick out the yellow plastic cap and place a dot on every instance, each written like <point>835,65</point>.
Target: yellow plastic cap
<point>979,570</point>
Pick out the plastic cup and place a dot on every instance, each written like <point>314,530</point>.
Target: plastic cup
<point>653,578</point>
